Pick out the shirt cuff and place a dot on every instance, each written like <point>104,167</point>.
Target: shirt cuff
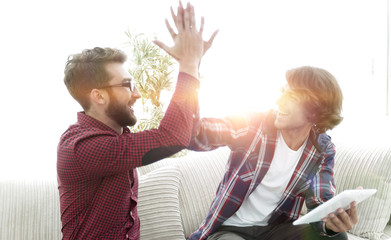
<point>186,83</point>
<point>323,231</point>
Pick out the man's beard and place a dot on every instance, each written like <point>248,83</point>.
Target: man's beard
<point>120,113</point>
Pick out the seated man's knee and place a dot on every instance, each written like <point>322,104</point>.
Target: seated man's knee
<point>225,235</point>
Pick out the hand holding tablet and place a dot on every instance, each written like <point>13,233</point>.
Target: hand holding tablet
<point>341,200</point>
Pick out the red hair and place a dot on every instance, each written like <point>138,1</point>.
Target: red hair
<point>320,93</point>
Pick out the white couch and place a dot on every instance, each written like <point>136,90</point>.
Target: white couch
<point>175,195</point>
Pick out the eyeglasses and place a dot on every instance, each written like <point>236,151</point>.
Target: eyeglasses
<point>129,84</point>
<point>292,95</point>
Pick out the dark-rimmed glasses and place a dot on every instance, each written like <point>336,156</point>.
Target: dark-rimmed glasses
<point>129,84</point>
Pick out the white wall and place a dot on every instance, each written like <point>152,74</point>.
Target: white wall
<point>257,42</point>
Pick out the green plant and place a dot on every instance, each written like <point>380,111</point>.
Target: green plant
<point>152,70</point>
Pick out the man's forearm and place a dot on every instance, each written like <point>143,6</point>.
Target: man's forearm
<point>190,68</point>
<point>182,109</point>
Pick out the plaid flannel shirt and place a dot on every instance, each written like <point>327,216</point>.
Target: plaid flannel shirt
<point>252,140</point>
<point>96,167</point>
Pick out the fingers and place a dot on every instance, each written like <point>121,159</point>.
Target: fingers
<point>353,212</point>
<point>161,45</point>
<point>180,16</point>
<point>202,25</point>
<point>170,30</point>
<point>330,225</point>
<point>165,48</point>
<point>180,4</point>
<point>209,43</point>
<point>212,38</point>
<point>343,221</point>
<point>174,17</point>
<point>334,223</point>
<point>189,22</point>
<point>192,17</point>
<point>186,16</point>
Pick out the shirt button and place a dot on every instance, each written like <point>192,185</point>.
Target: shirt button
<point>131,214</point>
<point>127,236</point>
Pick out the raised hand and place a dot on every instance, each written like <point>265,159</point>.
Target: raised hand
<point>189,47</point>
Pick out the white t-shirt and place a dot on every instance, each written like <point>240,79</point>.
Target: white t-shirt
<point>256,210</point>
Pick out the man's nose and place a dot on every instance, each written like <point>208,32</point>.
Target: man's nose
<point>136,93</point>
<point>281,100</point>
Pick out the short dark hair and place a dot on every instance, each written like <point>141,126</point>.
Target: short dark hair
<point>321,94</point>
<point>86,70</point>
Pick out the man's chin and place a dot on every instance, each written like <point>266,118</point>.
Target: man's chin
<point>132,121</point>
<point>277,125</point>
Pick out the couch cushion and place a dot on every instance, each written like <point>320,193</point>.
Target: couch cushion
<point>354,237</point>
<point>387,233</point>
<point>29,209</point>
<point>201,173</point>
<point>369,167</point>
<point>158,204</point>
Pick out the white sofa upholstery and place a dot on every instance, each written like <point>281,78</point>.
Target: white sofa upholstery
<point>175,195</point>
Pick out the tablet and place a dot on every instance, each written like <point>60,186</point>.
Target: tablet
<point>342,200</point>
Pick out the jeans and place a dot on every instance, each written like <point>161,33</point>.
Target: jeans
<point>285,231</point>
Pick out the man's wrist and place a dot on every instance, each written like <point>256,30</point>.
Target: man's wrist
<point>327,231</point>
<point>190,68</point>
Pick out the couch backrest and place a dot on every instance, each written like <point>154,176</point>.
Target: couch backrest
<point>29,209</point>
<point>368,166</point>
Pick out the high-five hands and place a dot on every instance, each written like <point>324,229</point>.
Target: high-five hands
<point>189,47</point>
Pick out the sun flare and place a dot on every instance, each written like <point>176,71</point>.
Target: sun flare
<point>235,97</point>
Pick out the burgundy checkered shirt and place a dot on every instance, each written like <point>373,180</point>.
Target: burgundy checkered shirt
<point>96,167</point>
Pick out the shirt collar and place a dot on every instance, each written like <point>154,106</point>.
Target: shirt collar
<point>270,129</point>
<point>87,121</point>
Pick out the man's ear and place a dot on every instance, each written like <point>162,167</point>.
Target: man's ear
<point>311,115</point>
<point>98,96</point>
